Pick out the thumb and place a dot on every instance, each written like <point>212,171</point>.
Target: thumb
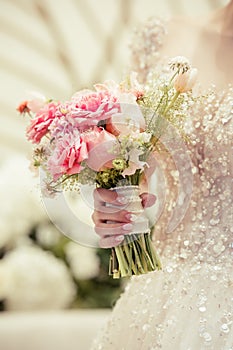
<point>148,199</point>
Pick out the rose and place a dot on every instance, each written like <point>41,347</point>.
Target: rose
<point>184,82</point>
<point>68,153</point>
<point>102,148</point>
<point>40,124</point>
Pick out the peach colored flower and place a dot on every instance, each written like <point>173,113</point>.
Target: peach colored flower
<point>101,146</point>
<point>184,82</point>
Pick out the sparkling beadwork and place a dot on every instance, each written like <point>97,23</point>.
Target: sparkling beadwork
<point>193,293</point>
<point>225,328</point>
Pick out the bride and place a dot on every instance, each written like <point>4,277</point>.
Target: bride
<point>189,304</point>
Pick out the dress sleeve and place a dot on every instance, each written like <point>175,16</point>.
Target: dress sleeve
<point>146,42</point>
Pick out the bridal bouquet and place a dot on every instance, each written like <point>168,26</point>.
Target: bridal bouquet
<point>106,137</point>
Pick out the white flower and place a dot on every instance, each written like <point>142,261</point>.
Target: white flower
<point>21,207</point>
<point>38,280</point>
<point>129,120</point>
<point>83,261</point>
<point>47,235</point>
<point>184,82</point>
<point>135,86</point>
<point>5,278</point>
<point>179,63</point>
<point>36,101</point>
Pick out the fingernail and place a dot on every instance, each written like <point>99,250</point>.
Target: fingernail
<point>131,217</point>
<point>127,227</point>
<point>119,238</point>
<point>122,200</point>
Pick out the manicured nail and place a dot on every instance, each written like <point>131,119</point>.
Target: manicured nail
<point>127,227</point>
<point>122,200</point>
<point>119,238</point>
<point>131,217</point>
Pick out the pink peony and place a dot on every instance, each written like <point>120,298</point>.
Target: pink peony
<point>40,124</point>
<point>89,107</point>
<point>101,146</point>
<point>66,158</point>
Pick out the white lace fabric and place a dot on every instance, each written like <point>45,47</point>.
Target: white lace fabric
<point>189,304</point>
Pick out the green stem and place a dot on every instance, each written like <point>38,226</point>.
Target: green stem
<point>171,103</point>
<point>128,251</point>
<point>123,265</point>
<point>137,257</point>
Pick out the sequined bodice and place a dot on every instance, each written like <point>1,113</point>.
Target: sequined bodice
<point>188,304</point>
<point>206,231</point>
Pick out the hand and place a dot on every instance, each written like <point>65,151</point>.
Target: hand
<point>112,220</point>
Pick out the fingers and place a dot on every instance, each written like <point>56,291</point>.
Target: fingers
<point>103,196</point>
<point>119,216</point>
<point>110,242</point>
<point>111,235</point>
<point>148,199</point>
<point>112,221</point>
<point>113,229</point>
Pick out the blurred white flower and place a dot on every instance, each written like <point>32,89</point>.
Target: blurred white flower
<point>35,279</point>
<point>21,206</point>
<point>36,101</point>
<point>47,235</point>
<point>5,283</point>
<point>84,262</point>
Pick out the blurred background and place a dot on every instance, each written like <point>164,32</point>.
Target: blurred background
<point>55,48</point>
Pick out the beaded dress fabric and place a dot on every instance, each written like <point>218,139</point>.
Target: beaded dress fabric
<point>189,304</point>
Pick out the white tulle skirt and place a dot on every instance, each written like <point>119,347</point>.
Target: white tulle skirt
<point>185,307</point>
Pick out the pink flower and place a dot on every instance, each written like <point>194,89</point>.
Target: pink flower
<point>127,92</point>
<point>37,102</point>
<point>89,107</point>
<point>184,82</point>
<point>102,148</point>
<point>66,158</point>
<point>40,124</point>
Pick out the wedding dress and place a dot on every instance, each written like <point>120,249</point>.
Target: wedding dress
<point>189,304</point>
